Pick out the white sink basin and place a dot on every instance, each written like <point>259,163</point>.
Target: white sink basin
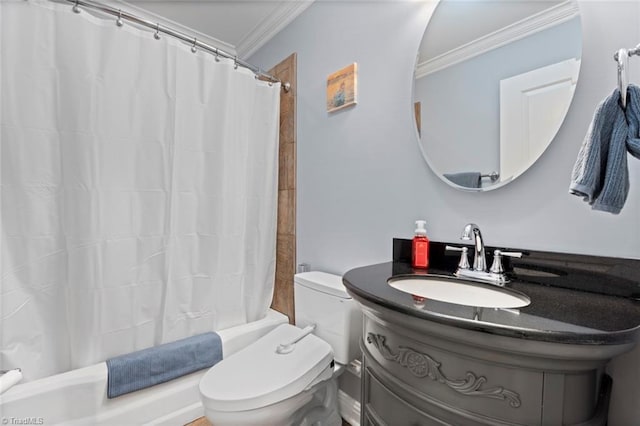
<point>451,290</point>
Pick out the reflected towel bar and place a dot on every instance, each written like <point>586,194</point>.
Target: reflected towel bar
<point>494,176</point>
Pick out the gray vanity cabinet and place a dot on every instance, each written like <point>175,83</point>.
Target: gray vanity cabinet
<point>413,377</point>
<point>428,361</point>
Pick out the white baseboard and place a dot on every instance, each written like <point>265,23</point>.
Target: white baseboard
<point>349,408</point>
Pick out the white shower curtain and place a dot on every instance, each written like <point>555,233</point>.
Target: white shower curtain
<point>138,189</point>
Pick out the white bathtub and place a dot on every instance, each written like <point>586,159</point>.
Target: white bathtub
<point>79,397</point>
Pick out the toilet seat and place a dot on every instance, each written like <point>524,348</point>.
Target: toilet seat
<point>258,376</point>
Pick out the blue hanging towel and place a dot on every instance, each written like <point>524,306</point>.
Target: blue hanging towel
<point>633,119</point>
<point>600,174</point>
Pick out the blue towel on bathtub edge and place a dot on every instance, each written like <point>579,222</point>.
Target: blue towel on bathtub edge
<point>152,366</point>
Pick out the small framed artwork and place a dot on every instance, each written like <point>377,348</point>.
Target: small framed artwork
<point>342,88</point>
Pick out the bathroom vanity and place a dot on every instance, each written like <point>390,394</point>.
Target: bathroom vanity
<point>430,362</point>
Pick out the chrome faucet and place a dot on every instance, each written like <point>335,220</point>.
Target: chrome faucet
<point>479,260</point>
<point>479,272</point>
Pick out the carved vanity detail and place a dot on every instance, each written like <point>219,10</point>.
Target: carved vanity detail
<point>422,365</point>
<point>543,364</point>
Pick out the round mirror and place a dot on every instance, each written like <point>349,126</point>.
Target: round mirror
<point>493,82</point>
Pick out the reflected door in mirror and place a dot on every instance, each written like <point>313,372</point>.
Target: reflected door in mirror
<point>532,108</point>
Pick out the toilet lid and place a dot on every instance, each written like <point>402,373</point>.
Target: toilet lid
<point>258,376</point>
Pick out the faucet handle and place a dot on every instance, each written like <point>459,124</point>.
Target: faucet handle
<point>464,259</point>
<point>511,253</point>
<point>496,266</point>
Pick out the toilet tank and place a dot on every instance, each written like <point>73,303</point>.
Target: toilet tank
<point>322,299</point>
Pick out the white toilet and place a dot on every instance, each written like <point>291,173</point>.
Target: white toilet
<point>288,377</point>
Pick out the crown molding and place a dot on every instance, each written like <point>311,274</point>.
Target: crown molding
<point>286,12</point>
<point>212,41</point>
<point>531,25</point>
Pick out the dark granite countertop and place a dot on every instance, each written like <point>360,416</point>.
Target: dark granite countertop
<point>574,298</point>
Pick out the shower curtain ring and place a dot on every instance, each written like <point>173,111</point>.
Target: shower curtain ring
<point>119,20</point>
<point>235,62</point>
<point>157,34</point>
<point>76,7</point>
<point>193,48</point>
<point>217,55</point>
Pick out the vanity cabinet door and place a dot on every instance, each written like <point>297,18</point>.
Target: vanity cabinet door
<point>454,382</point>
<point>452,385</point>
<point>382,407</point>
<point>415,379</point>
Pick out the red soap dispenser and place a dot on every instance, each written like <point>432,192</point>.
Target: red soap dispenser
<point>420,246</point>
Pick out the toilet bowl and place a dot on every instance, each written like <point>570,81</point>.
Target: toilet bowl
<point>288,377</point>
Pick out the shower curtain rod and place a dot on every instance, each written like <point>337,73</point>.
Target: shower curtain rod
<point>193,41</point>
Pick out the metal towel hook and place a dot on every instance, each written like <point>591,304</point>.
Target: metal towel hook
<point>119,20</point>
<point>157,34</point>
<point>76,7</point>
<point>623,83</point>
<point>622,58</point>
<point>193,48</point>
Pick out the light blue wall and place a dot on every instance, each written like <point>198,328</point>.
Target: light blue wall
<point>362,179</point>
